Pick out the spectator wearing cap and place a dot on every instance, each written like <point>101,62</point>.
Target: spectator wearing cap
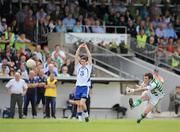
<point>17,89</point>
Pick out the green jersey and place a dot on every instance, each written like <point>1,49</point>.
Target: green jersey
<point>156,87</point>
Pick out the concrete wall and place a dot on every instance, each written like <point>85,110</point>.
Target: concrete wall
<point>103,98</point>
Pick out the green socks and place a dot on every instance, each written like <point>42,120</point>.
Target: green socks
<point>137,102</point>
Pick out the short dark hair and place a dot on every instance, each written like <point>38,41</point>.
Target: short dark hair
<point>149,75</point>
<point>84,58</point>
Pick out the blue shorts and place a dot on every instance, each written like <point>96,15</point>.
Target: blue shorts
<point>81,92</point>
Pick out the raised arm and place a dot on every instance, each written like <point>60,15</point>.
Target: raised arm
<point>137,89</point>
<point>88,54</point>
<point>77,57</point>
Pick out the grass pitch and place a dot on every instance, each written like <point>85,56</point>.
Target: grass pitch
<point>62,125</point>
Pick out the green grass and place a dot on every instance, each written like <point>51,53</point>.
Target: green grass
<point>61,125</point>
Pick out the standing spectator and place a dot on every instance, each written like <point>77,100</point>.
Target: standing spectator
<point>56,14</point>
<point>177,99</point>
<point>17,89</point>
<point>41,14</point>
<point>51,7</point>
<point>30,95</point>
<point>103,9</point>
<point>93,9</point>
<point>42,80</point>
<point>160,31</point>
<point>20,16</point>
<point>29,23</point>
<point>50,96</point>
<point>87,27</point>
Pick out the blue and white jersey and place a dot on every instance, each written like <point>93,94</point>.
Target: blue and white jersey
<point>83,74</point>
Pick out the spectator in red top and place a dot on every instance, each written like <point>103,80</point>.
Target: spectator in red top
<point>170,46</point>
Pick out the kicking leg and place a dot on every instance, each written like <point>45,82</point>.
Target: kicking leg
<point>137,102</point>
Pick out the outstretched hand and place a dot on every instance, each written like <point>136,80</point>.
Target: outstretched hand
<point>129,90</point>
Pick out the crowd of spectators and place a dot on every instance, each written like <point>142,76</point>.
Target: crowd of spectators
<point>148,24</point>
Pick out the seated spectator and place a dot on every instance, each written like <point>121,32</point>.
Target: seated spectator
<point>64,72</point>
<point>170,32</point>
<point>170,45</point>
<point>22,38</point>
<point>97,28</point>
<point>131,28</point>
<point>4,68</point>
<point>69,22</point>
<point>141,39</point>
<point>51,69</point>
<point>3,42</point>
<point>51,26</point>
<point>70,64</point>
<point>77,28</point>
<point>38,52</point>
<point>160,31</point>
<point>60,26</point>
<point>141,26</point>
<point>23,71</point>
<point>59,55</point>
<point>3,25</point>
<point>175,60</point>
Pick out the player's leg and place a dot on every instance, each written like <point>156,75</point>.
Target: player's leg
<point>78,94</point>
<point>153,100</point>
<point>83,102</point>
<point>79,110</point>
<point>148,109</point>
<point>138,101</point>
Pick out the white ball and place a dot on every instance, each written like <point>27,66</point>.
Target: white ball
<point>31,63</point>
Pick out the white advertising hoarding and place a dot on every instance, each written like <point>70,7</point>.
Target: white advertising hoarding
<point>95,37</point>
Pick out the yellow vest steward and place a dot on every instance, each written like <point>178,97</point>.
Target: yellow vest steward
<point>51,92</point>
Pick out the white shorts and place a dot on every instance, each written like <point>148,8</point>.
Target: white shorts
<point>152,98</point>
